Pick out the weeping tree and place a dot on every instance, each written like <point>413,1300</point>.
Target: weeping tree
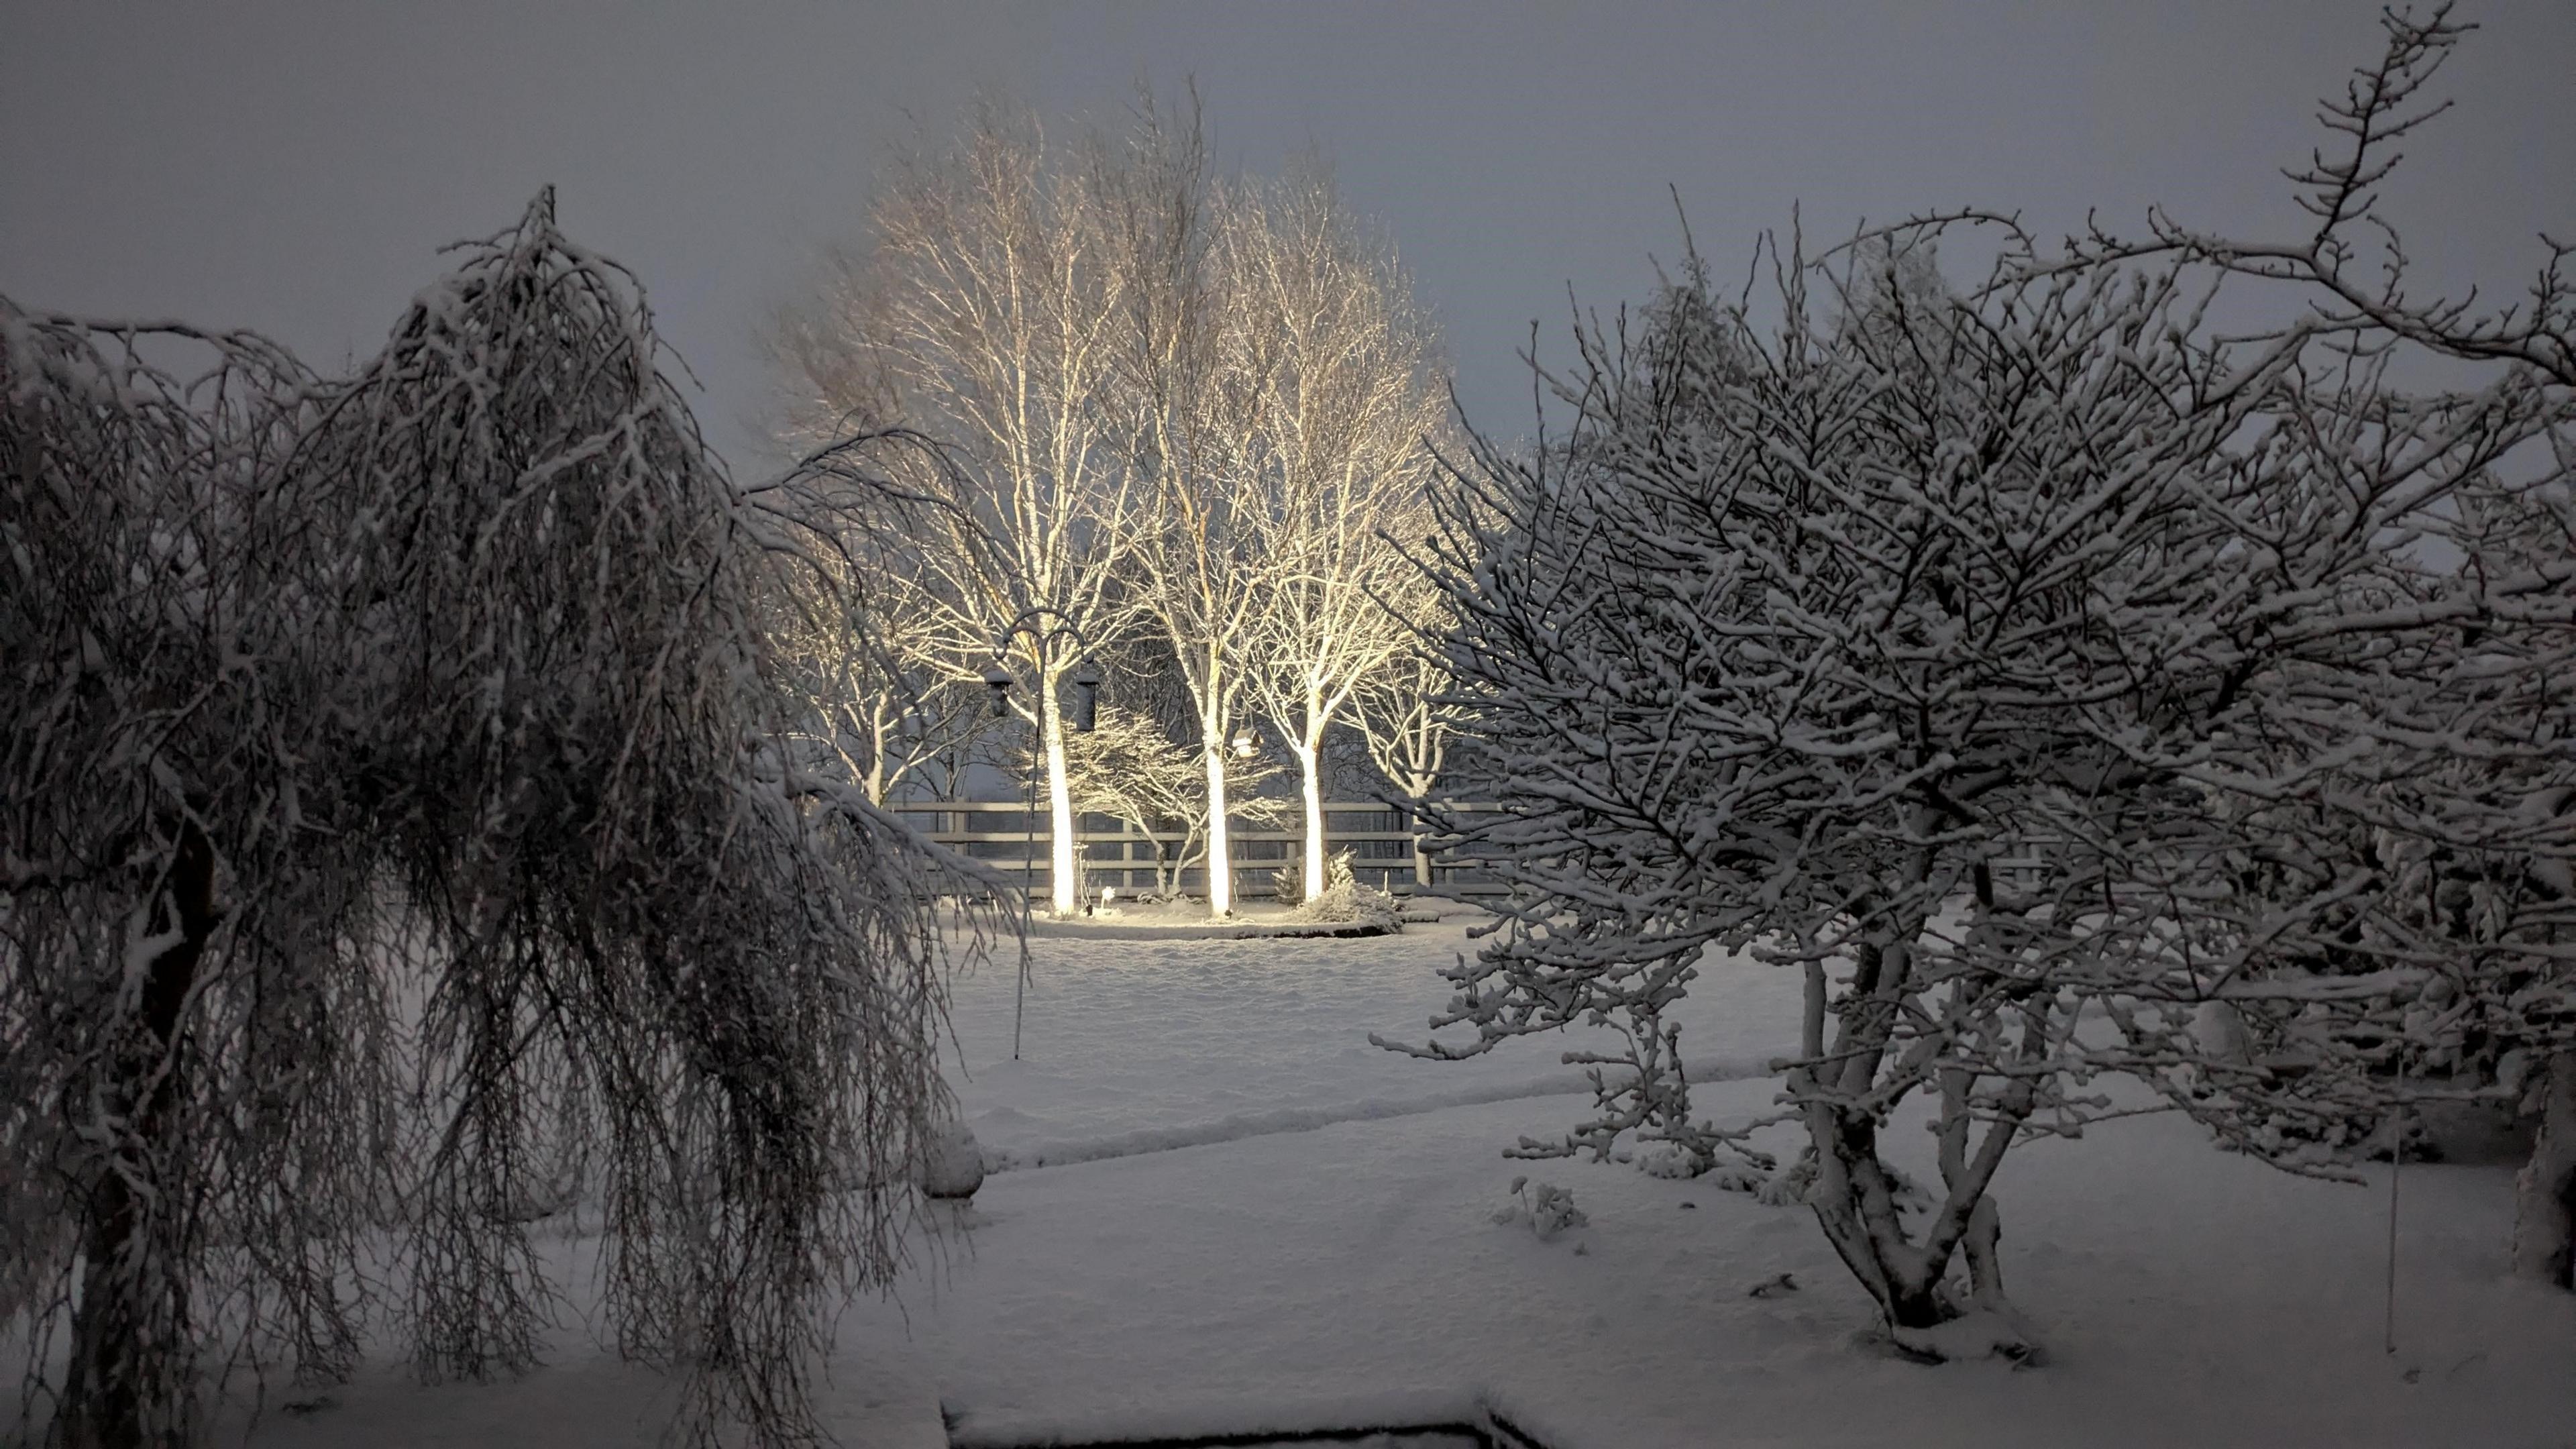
<point>402,842</point>
<point>177,1008</point>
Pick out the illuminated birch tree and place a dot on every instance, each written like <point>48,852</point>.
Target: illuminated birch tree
<point>989,300</point>
<point>1197,552</point>
<point>1340,396</point>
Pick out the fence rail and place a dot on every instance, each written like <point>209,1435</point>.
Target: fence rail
<point>1380,839</point>
<point>1115,854</point>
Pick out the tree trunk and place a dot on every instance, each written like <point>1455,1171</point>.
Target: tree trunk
<point>1855,1196</point>
<point>1983,1245</point>
<point>1065,872</point>
<point>1855,1203</point>
<point>1310,770</point>
<point>132,1319</point>
<point>1417,791</point>
<point>2544,1223</point>
<point>874,781</point>
<point>1220,862</point>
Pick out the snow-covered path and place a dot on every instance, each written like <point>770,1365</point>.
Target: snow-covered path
<point>1227,1273</point>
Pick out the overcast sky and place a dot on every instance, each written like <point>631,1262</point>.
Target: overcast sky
<point>293,167</point>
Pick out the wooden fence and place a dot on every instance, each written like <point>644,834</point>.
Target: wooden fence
<point>1115,854</point>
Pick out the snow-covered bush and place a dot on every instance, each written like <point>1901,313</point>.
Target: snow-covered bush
<point>1544,1208</point>
<point>399,826</point>
<point>953,1167</point>
<point>1344,899</point>
<point>1802,628</point>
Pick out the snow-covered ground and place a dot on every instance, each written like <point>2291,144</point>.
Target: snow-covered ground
<point>1140,1045</point>
<point>1221,1209</point>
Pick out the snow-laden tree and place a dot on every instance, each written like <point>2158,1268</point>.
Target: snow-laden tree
<point>1133,770</point>
<point>403,840</point>
<point>2427,797</point>
<point>1799,630</point>
<point>173,1031</point>
<point>2492,858</point>
<point>1173,404</point>
<point>984,313</point>
<point>1200,569</point>
<point>1333,368</point>
<point>2398,845</point>
<point>861,646</point>
<point>1404,711</point>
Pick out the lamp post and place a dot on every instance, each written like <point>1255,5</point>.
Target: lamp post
<point>1043,626</point>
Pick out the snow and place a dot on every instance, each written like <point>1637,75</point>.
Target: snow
<point>1131,1047</point>
<point>1298,1233</point>
<point>1196,930</point>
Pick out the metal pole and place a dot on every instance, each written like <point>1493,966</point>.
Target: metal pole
<point>1029,862</point>
<point>1044,642</point>
<point>2396,1157</point>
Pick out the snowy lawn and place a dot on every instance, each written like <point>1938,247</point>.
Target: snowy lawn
<point>1260,1221</point>
<point>1140,1045</point>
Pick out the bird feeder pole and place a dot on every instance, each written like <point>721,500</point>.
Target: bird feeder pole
<point>1086,697</point>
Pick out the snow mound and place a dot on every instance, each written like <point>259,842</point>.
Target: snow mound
<point>954,1165</point>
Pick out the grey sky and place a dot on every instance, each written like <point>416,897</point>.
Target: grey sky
<point>293,167</point>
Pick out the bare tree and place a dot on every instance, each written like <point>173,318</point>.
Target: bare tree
<point>1198,553</point>
<point>862,648</point>
<point>1794,638</point>
<point>2353,269</point>
<point>1336,368</point>
<point>1132,770</point>
<point>1405,711</point>
<point>986,306</point>
<point>401,819</point>
<point>2452,793</point>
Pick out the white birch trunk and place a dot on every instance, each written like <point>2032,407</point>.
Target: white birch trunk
<point>1417,789</point>
<point>1220,862</point>
<point>1066,875</point>
<point>874,781</point>
<point>1310,780</point>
